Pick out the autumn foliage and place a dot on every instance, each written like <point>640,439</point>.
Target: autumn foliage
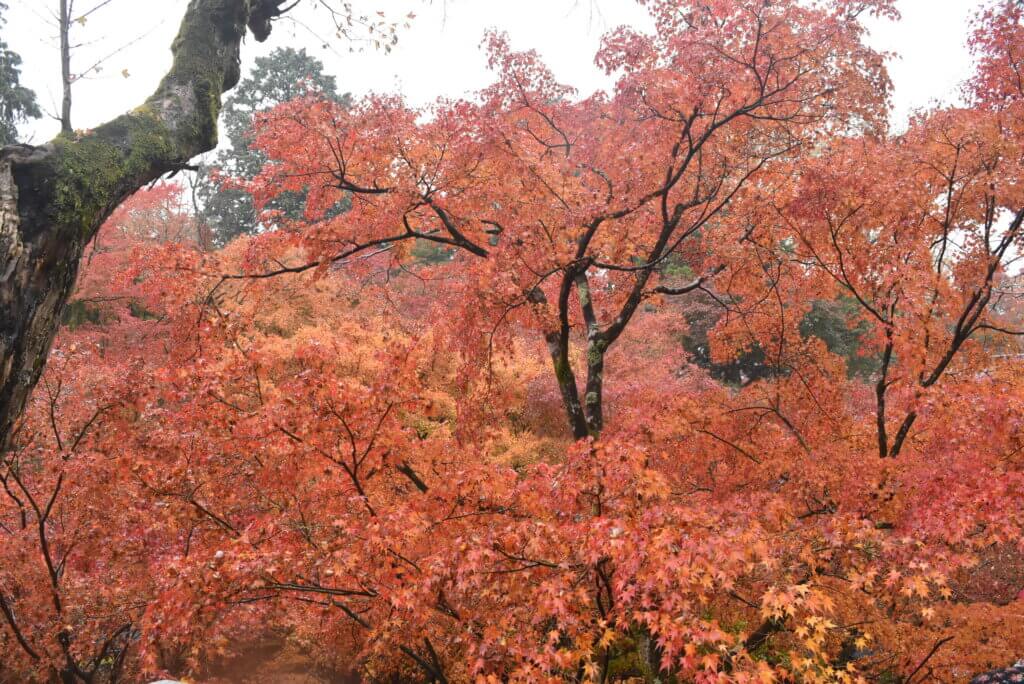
<point>443,426</point>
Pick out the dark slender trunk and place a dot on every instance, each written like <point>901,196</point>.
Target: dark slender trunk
<point>593,404</point>
<point>901,434</point>
<point>567,387</point>
<point>65,66</point>
<point>880,389</point>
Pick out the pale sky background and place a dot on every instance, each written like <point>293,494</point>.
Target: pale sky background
<point>439,55</point>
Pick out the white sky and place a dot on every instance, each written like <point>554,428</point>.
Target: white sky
<point>439,55</point>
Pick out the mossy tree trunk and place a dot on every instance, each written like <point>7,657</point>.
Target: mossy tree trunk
<point>54,197</point>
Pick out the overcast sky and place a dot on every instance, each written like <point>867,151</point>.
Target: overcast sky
<point>438,55</point>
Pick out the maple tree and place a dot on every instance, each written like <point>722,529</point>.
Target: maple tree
<point>452,433</point>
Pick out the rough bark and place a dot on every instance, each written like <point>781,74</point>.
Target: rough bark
<point>54,197</point>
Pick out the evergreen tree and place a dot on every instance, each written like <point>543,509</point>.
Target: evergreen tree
<point>17,103</point>
<point>283,75</point>
<point>835,323</point>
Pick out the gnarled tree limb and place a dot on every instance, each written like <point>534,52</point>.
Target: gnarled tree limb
<point>54,197</point>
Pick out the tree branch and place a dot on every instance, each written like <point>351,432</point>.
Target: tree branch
<point>54,197</point>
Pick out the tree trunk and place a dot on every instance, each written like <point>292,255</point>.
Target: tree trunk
<point>53,198</point>
<point>65,66</point>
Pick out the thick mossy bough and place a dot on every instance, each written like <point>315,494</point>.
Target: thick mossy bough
<point>54,197</point>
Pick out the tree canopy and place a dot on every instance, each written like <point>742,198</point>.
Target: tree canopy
<point>712,377</point>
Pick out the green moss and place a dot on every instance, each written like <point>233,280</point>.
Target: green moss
<point>631,659</point>
<point>562,371</point>
<point>78,313</point>
<point>889,677</point>
<point>625,665</point>
<point>424,426</point>
<point>94,172</point>
<point>770,655</point>
<point>737,627</point>
<point>595,351</point>
<point>205,58</point>
<point>428,252</point>
<point>138,310</point>
<point>87,178</point>
<point>675,267</point>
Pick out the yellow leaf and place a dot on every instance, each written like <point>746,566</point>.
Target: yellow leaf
<point>765,674</point>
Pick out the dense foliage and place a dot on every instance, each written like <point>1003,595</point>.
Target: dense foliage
<point>462,430</point>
